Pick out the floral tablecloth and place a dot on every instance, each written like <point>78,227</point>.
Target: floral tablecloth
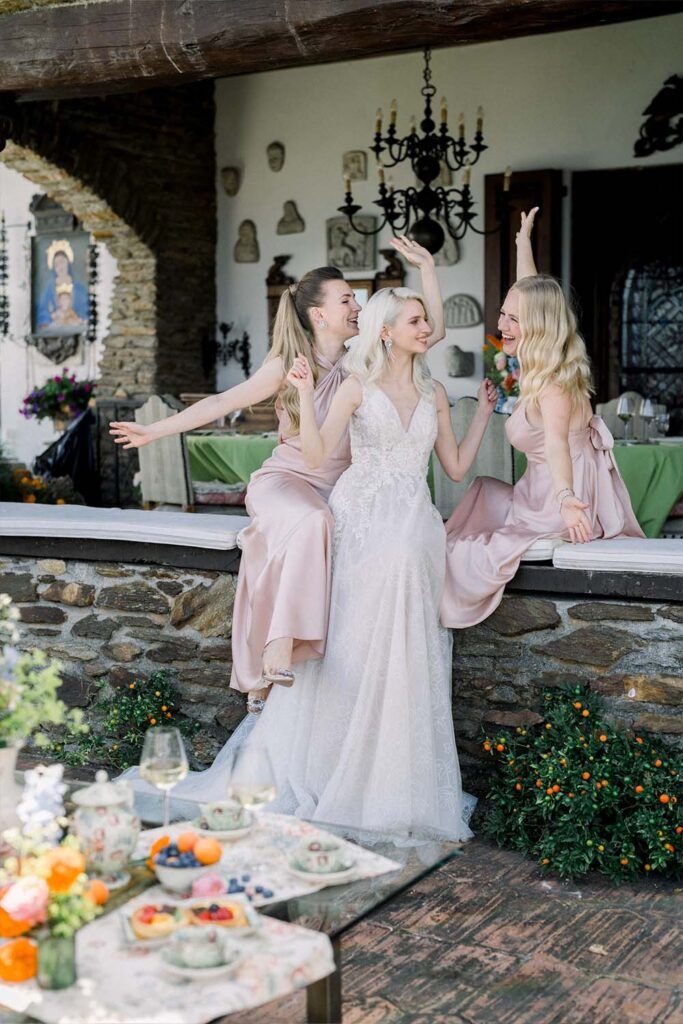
<point>123,984</point>
<point>264,852</point>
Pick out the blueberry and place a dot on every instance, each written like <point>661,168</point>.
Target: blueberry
<point>232,881</point>
<point>267,893</point>
<point>172,849</point>
<point>258,888</point>
<point>160,858</point>
<point>246,878</point>
<point>239,888</point>
<point>213,908</point>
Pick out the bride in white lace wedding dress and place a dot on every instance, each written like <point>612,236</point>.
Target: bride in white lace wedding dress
<point>365,737</point>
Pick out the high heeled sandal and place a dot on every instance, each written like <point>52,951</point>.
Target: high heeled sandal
<point>255,705</point>
<point>281,676</point>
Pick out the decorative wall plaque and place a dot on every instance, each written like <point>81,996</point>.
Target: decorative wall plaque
<point>461,311</point>
<point>231,179</point>
<point>348,249</point>
<point>355,165</point>
<point>246,247</point>
<point>276,156</point>
<point>459,363</point>
<point>291,222</point>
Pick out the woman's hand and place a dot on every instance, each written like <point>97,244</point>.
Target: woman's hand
<point>526,226</point>
<point>574,515</point>
<point>411,251</point>
<point>130,435</point>
<point>300,375</point>
<point>487,396</point>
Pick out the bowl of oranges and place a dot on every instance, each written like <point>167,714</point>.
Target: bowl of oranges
<point>177,863</point>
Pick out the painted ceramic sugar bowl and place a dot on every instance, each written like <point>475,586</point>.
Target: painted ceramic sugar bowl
<point>107,827</point>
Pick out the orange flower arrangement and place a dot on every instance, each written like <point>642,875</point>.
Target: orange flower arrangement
<point>18,960</point>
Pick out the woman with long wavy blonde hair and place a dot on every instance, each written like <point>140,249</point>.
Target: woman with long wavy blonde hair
<point>282,600</point>
<point>572,489</point>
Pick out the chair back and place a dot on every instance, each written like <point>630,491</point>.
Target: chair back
<point>494,458</point>
<point>164,466</point>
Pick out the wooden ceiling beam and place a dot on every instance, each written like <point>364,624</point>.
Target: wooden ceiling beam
<point>115,45</point>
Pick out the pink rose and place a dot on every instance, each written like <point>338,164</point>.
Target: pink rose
<point>500,361</point>
<point>209,885</point>
<point>26,900</point>
<point>515,373</point>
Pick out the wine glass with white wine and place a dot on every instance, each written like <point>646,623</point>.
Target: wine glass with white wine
<point>646,411</point>
<point>252,780</point>
<point>626,408</point>
<point>662,423</point>
<point>163,762</point>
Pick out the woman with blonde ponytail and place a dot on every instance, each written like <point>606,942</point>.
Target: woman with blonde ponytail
<point>282,601</point>
<point>572,489</point>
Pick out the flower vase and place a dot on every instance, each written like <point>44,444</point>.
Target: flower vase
<point>56,961</point>
<point>10,791</point>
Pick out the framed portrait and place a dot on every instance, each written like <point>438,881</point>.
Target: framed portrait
<point>347,249</point>
<point>60,304</point>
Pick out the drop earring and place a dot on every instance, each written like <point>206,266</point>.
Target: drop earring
<point>387,344</point>
<point>322,324</point>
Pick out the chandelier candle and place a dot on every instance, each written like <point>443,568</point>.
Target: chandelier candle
<point>424,213</point>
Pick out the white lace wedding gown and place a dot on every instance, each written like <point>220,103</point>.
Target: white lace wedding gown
<point>365,738</point>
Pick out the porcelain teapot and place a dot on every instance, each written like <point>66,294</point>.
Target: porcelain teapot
<point>107,827</point>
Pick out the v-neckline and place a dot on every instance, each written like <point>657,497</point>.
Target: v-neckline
<point>406,430</point>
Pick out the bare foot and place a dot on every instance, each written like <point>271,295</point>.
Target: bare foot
<point>277,655</point>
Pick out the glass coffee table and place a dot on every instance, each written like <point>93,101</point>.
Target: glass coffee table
<point>338,909</point>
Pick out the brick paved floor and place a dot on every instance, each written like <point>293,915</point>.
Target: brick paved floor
<point>488,940</point>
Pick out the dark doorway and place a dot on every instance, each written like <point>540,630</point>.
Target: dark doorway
<point>627,273</point>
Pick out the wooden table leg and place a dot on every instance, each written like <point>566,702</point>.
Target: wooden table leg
<point>324,997</point>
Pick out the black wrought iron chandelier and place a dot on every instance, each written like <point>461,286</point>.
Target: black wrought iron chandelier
<point>421,212</point>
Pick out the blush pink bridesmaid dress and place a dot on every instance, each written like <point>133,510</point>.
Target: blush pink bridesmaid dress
<point>496,523</point>
<point>283,588</point>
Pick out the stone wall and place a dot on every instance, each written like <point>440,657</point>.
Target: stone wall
<point>139,172</point>
<point>630,651</point>
<point>119,622</point>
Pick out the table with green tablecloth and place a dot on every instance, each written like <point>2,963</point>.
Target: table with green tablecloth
<point>653,474</point>
<point>230,458</point>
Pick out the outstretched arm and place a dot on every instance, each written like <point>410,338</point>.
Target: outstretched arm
<point>456,458</point>
<point>525,255</point>
<point>317,443</point>
<point>265,382</point>
<point>422,259</point>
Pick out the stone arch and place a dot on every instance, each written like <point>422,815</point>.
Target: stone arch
<point>128,364</point>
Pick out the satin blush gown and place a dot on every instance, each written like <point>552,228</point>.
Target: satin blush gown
<point>496,523</point>
<point>283,585</point>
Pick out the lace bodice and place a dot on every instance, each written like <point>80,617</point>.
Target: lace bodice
<point>385,457</point>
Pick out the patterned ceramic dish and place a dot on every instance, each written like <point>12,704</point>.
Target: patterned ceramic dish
<point>324,856</point>
<point>223,834</point>
<point>200,953</point>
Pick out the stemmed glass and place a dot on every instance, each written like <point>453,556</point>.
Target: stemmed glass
<point>646,412</point>
<point>163,762</point>
<point>252,783</point>
<point>662,423</point>
<point>626,407</point>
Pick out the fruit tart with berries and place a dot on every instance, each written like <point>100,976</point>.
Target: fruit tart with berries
<point>225,913</point>
<point>157,920</point>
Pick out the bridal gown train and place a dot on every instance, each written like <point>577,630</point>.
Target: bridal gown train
<point>365,737</point>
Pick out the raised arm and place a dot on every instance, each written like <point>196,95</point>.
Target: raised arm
<point>319,442</point>
<point>556,411</point>
<point>456,458</point>
<point>265,382</point>
<point>422,259</point>
<point>525,255</point>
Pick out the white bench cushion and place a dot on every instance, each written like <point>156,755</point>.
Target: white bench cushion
<point>217,533</point>
<point>542,550</point>
<point>630,554</point>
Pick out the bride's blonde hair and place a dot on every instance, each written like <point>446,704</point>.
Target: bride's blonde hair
<point>368,357</point>
<point>551,351</point>
<point>293,331</point>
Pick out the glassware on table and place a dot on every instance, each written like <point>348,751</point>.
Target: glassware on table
<point>662,423</point>
<point>626,408</point>
<point>163,762</point>
<point>252,780</point>
<point>646,411</point>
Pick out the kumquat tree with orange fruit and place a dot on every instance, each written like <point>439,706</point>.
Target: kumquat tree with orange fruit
<point>579,795</point>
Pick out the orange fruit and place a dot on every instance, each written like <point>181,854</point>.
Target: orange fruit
<point>207,850</point>
<point>538,783</point>
<point>518,786</point>
<point>639,789</point>
<point>186,841</point>
<point>585,775</point>
<point>679,829</point>
<point>157,845</point>
<point>556,788</point>
<point>585,712</point>
<point>549,791</point>
<point>97,892</point>
<point>658,763</point>
<point>500,748</point>
<point>603,738</point>
<point>624,861</point>
<point>664,798</point>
